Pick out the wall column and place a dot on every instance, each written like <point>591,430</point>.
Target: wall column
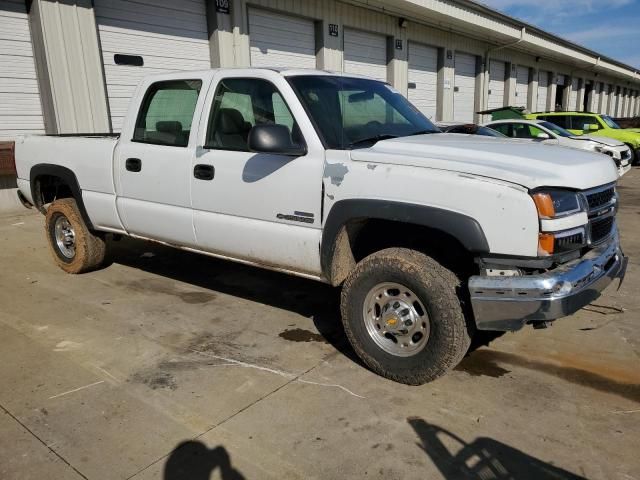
<point>69,65</point>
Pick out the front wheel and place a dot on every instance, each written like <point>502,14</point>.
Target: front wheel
<point>403,316</point>
<point>74,248</point>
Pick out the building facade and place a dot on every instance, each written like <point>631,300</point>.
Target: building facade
<point>71,66</point>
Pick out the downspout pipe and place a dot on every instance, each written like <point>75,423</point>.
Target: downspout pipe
<point>485,90</point>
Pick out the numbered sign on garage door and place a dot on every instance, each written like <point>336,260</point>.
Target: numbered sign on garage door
<point>543,90</point>
<point>143,38</point>
<point>497,72</point>
<point>522,86</point>
<point>423,78</point>
<point>464,91</point>
<point>278,40</point>
<point>365,54</point>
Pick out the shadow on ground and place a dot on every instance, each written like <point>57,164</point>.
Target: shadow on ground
<point>192,460</point>
<point>482,459</point>
<point>307,298</point>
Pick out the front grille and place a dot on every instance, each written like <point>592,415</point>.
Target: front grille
<point>600,198</point>
<point>570,242</point>
<point>601,228</point>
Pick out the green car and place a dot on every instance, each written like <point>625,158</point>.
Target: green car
<point>593,124</point>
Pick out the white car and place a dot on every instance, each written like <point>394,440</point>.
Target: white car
<point>551,134</point>
<point>435,238</point>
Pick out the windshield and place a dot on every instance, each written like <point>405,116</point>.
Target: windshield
<point>556,129</point>
<point>610,123</point>
<point>356,112</point>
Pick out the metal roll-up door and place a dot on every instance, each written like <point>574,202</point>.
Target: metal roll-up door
<point>464,92</point>
<point>573,95</point>
<point>365,54</point>
<point>167,34</point>
<point>423,78</point>
<point>543,90</point>
<point>497,74</point>
<point>277,40</point>
<point>20,107</point>
<point>522,86</point>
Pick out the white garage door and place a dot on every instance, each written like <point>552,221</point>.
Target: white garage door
<point>423,78</point>
<point>497,73</point>
<point>543,90</point>
<point>167,34</point>
<point>365,54</point>
<point>522,86</point>
<point>20,108</point>
<point>464,92</point>
<point>278,40</point>
<point>573,95</point>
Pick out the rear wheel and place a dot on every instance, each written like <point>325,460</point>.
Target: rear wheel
<point>74,248</point>
<point>403,317</point>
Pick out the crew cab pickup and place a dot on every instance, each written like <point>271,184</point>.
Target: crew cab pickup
<point>435,238</point>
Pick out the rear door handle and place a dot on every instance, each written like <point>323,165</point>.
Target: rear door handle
<point>204,172</point>
<point>133,164</point>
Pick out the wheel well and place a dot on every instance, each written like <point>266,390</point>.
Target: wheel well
<point>48,188</point>
<point>360,238</point>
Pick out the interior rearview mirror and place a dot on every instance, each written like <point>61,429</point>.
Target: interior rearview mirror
<point>274,138</point>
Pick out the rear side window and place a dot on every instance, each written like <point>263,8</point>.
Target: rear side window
<point>167,112</point>
<point>560,120</point>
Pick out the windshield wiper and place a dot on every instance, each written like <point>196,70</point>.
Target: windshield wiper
<point>372,140</point>
<point>421,132</point>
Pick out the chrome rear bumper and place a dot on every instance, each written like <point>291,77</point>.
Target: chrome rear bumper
<point>508,303</point>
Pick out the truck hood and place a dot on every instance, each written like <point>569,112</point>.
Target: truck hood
<point>529,165</point>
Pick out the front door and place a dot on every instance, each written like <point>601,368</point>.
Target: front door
<point>153,164</point>
<point>262,208</point>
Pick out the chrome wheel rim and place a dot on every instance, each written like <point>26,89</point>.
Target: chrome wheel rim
<point>396,319</point>
<point>65,237</point>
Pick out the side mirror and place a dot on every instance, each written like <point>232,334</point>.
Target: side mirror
<point>543,136</point>
<point>592,127</point>
<point>274,138</point>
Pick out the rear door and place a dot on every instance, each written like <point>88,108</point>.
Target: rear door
<point>153,162</point>
<point>256,207</point>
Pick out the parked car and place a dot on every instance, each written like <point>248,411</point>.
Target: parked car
<point>468,129</point>
<point>435,238</point>
<point>594,124</point>
<point>551,134</point>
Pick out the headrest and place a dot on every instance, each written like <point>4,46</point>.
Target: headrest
<point>169,126</point>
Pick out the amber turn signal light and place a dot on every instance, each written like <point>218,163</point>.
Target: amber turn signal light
<point>546,243</point>
<point>544,204</point>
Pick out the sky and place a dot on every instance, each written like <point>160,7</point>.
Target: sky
<point>610,27</point>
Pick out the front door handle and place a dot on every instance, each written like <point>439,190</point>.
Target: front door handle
<point>204,172</point>
<point>133,164</point>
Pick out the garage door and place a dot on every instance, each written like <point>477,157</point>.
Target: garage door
<point>464,92</point>
<point>543,91</point>
<point>167,34</point>
<point>278,40</point>
<point>20,108</point>
<point>573,95</point>
<point>365,54</point>
<point>497,73</point>
<point>423,78</point>
<point>522,86</point>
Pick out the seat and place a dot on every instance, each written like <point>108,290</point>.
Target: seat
<point>231,130</point>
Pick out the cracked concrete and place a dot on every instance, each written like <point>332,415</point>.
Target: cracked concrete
<point>170,365</point>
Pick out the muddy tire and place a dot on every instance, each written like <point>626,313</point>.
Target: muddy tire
<point>403,316</point>
<point>74,248</point>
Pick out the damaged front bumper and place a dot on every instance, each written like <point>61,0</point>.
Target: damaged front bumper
<point>508,303</point>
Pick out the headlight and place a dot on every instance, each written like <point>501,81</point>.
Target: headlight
<point>557,203</point>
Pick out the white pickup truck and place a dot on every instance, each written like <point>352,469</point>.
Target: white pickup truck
<point>435,238</point>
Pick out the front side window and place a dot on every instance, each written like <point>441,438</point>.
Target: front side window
<point>239,105</point>
<point>579,122</point>
<point>356,112</point>
<point>167,112</point>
